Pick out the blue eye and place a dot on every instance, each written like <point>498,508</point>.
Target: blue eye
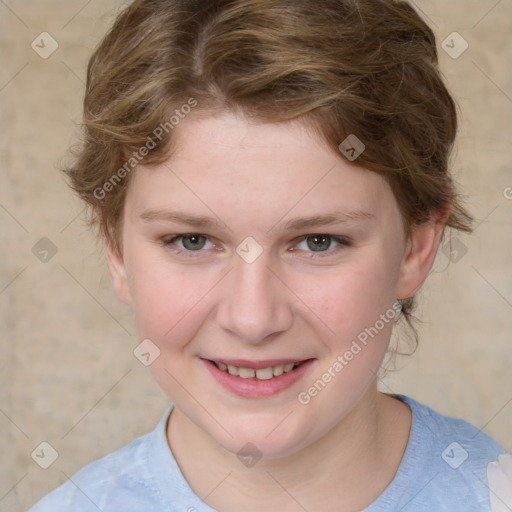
<point>314,245</point>
<point>191,242</point>
<point>320,243</point>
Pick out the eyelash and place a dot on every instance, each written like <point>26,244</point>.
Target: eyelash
<point>342,242</point>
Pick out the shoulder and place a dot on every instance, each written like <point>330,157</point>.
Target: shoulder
<point>462,443</point>
<point>448,458</point>
<point>121,480</point>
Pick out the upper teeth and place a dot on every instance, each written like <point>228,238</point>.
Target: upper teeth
<point>261,373</point>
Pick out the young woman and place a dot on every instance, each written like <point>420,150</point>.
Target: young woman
<point>270,180</point>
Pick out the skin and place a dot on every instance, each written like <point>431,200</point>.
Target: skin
<point>292,301</point>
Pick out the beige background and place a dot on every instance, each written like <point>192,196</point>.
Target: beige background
<point>67,372</point>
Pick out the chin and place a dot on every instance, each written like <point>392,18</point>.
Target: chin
<point>269,438</point>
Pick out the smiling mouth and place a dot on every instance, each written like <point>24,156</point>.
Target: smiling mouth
<point>259,374</point>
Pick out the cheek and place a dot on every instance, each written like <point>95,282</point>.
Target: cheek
<point>166,299</point>
<point>352,296</point>
<point>356,303</point>
<point>170,307</point>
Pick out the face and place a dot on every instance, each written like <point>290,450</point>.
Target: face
<point>255,248</point>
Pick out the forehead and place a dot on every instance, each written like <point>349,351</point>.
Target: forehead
<point>239,145</point>
<point>230,165</point>
<point>230,129</point>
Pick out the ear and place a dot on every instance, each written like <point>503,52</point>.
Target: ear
<point>118,272</point>
<point>419,256</point>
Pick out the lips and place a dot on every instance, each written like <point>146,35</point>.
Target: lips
<point>257,379</point>
<point>248,372</point>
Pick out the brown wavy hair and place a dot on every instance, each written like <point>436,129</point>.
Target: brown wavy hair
<point>363,67</point>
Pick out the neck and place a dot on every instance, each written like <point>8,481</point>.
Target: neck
<point>350,466</point>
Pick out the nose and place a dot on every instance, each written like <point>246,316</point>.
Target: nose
<point>256,304</point>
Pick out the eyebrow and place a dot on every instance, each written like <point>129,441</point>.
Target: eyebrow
<point>203,222</point>
<point>326,220</point>
<point>179,217</point>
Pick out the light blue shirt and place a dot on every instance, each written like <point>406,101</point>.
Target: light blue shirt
<point>444,468</point>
